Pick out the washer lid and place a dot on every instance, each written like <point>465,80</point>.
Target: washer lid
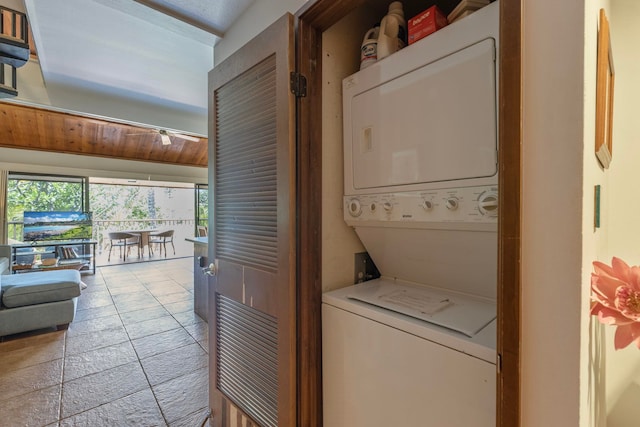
<point>459,312</point>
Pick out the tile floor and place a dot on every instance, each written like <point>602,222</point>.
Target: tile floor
<point>136,355</point>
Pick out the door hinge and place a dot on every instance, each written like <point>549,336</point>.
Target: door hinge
<point>298,84</point>
<point>499,363</point>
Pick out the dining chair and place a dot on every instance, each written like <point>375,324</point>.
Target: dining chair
<point>123,241</point>
<point>161,239</point>
<point>202,231</point>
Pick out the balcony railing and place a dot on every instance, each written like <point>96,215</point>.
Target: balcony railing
<point>183,228</point>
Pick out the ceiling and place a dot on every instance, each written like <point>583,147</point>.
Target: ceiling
<point>108,69</point>
<point>153,53</point>
<point>30,128</point>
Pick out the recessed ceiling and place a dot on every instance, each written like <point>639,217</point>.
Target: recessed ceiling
<point>132,50</point>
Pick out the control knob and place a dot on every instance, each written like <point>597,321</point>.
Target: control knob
<point>452,203</point>
<point>387,206</point>
<point>488,203</point>
<point>354,208</point>
<point>427,205</point>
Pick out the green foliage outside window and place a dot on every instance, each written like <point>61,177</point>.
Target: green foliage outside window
<point>203,205</point>
<point>30,195</point>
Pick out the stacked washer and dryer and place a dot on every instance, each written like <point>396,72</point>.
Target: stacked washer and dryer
<point>417,347</point>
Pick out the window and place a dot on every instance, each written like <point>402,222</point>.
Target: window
<point>202,205</point>
<point>33,192</point>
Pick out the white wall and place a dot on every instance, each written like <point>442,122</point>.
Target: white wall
<point>595,241</point>
<point>339,59</point>
<point>553,286</point>
<point>255,19</point>
<point>571,374</point>
<point>623,366</point>
<point>107,103</point>
<point>32,89</point>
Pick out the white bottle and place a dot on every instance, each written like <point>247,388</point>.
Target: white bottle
<point>369,49</point>
<point>393,31</point>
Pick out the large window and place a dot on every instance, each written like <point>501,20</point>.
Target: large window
<point>129,205</point>
<point>33,192</point>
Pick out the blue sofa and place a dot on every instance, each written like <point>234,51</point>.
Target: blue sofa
<point>37,300</point>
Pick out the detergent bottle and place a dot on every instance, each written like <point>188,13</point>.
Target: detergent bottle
<point>369,49</point>
<point>393,31</point>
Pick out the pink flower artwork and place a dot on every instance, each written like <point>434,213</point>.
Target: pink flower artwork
<point>615,291</point>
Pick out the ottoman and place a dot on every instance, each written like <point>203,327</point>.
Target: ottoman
<point>38,300</point>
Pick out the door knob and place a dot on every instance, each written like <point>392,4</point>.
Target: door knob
<point>211,270</point>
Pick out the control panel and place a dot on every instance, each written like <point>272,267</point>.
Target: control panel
<point>463,205</point>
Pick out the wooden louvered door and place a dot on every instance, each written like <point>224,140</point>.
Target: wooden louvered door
<point>252,299</point>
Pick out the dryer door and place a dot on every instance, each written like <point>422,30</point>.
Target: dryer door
<point>436,123</point>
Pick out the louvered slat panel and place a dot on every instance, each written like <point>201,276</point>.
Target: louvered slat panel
<point>262,169</point>
<point>253,108</point>
<point>245,169</point>
<point>248,87</point>
<point>257,166</point>
<point>249,142</point>
<point>240,206</point>
<point>247,355</point>
<point>259,129</point>
<point>248,182</point>
<point>261,197</point>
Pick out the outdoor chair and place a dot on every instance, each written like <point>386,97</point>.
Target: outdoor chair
<point>202,231</point>
<point>161,239</point>
<point>123,241</point>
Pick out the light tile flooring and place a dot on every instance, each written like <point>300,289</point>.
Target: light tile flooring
<point>135,355</point>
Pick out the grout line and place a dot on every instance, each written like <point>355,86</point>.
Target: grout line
<point>138,276</point>
<point>139,359</point>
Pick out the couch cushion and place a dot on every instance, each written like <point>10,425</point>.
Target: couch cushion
<point>40,287</point>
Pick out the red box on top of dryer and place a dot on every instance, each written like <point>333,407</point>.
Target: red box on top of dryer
<point>425,23</point>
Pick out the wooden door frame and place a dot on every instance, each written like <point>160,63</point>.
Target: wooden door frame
<point>313,20</point>
<point>508,403</point>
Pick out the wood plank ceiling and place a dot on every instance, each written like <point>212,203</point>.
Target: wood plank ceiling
<point>31,128</point>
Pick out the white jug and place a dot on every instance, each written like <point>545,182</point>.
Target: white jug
<point>369,49</point>
<point>393,31</point>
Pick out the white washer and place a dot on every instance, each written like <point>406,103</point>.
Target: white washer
<point>421,173</point>
<point>383,368</point>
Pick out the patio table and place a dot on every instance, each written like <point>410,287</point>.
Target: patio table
<point>144,238</point>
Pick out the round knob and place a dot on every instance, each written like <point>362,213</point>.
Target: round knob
<point>452,203</point>
<point>387,206</point>
<point>488,203</point>
<point>354,207</point>
<point>373,207</point>
<point>427,205</point>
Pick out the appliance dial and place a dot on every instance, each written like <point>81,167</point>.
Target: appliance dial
<point>373,207</point>
<point>427,205</point>
<point>488,203</point>
<point>452,203</point>
<point>387,206</point>
<point>354,207</point>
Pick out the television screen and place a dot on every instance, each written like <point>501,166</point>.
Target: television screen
<point>57,225</point>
